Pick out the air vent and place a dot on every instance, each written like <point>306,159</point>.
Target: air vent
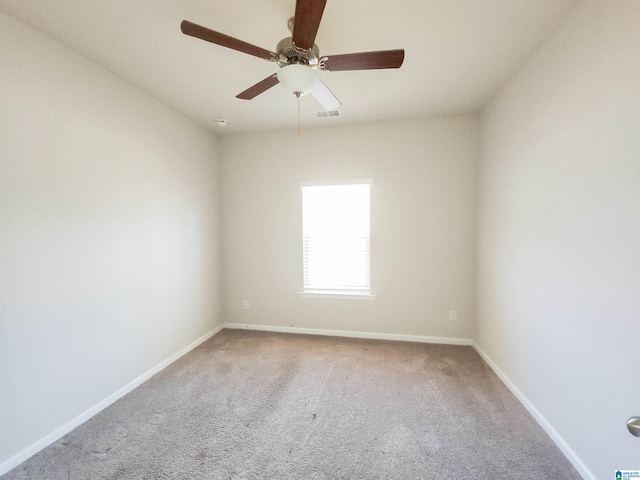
<point>328,113</point>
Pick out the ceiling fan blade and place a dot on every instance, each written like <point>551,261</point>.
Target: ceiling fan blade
<point>324,96</point>
<point>218,38</point>
<point>307,21</point>
<point>365,60</point>
<point>259,88</point>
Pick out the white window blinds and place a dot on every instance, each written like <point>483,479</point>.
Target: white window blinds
<point>336,237</point>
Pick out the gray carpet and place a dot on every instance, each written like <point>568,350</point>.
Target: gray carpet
<point>256,405</point>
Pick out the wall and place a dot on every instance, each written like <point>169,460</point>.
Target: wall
<point>109,253</point>
<point>559,234</point>
<point>422,225</point>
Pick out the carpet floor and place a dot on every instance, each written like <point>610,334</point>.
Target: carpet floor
<point>259,405</point>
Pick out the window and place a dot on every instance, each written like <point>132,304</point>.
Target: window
<point>336,239</point>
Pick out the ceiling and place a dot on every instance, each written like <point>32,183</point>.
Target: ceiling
<point>458,53</point>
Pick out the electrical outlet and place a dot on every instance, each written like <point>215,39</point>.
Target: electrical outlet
<point>245,304</point>
<point>453,315</point>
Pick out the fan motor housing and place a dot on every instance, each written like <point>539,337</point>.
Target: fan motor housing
<point>289,53</point>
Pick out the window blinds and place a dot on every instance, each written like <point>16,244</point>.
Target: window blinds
<point>336,237</point>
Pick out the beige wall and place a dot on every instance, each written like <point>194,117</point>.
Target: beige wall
<point>559,233</point>
<point>109,219</point>
<point>422,224</point>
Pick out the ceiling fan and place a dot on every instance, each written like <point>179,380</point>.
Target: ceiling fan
<point>299,57</point>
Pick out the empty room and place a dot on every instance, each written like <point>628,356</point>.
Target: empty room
<point>319,239</point>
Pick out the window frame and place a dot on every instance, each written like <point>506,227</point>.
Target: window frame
<point>339,293</point>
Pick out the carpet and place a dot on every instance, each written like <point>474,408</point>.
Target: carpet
<point>259,405</point>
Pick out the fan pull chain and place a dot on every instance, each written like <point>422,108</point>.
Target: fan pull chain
<point>298,97</point>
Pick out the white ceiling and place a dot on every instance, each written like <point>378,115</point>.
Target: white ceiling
<point>458,53</point>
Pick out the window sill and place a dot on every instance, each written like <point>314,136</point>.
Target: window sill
<point>337,294</point>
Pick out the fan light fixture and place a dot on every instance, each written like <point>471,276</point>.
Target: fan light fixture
<point>297,79</point>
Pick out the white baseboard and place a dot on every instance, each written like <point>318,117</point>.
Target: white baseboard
<point>546,426</point>
<point>345,333</point>
<point>61,431</point>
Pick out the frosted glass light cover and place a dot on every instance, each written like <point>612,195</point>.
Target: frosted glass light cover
<point>297,78</point>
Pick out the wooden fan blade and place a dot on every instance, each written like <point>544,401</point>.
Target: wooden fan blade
<point>259,88</point>
<point>365,60</point>
<point>218,38</point>
<point>307,21</point>
<point>324,96</point>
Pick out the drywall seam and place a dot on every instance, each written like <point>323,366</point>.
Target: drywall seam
<point>346,333</point>
<point>61,431</point>
<point>538,417</point>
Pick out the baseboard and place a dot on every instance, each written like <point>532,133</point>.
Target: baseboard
<point>58,433</point>
<point>346,333</point>
<point>542,421</point>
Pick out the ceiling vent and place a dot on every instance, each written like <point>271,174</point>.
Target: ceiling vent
<point>328,114</point>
